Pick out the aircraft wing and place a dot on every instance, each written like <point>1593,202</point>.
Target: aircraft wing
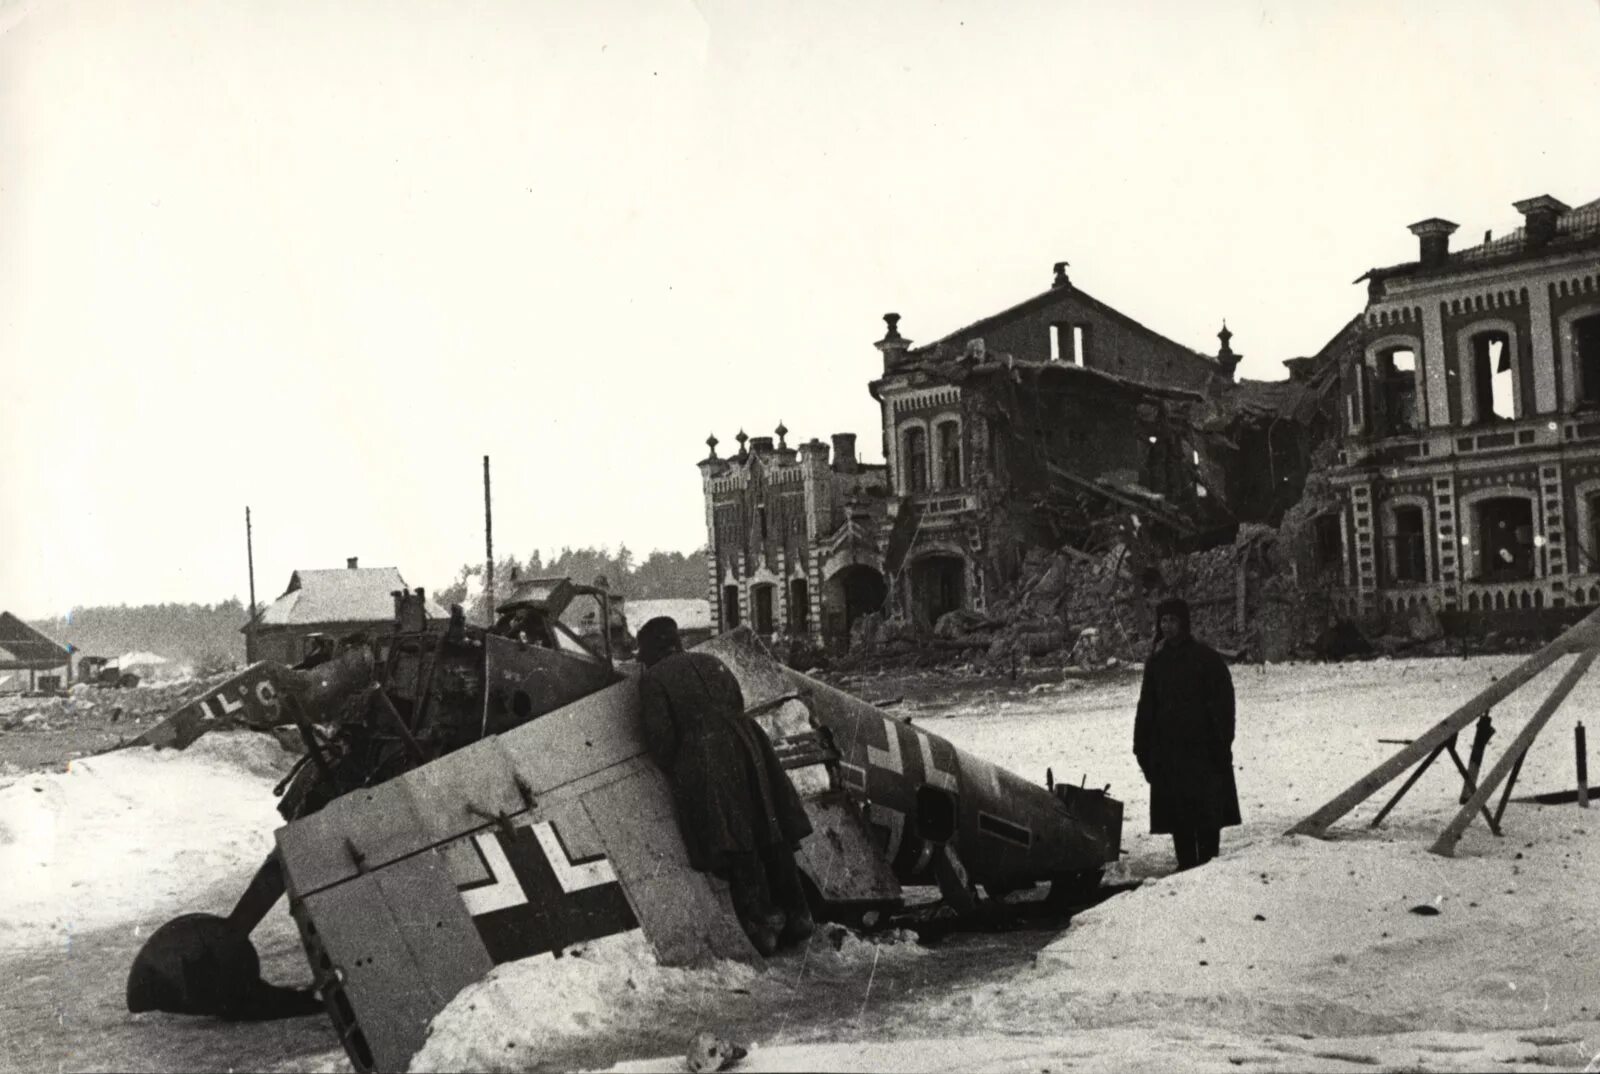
<point>520,845</point>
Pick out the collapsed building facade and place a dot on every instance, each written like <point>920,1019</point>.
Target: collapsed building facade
<point>1059,421</point>
<point>1468,466</point>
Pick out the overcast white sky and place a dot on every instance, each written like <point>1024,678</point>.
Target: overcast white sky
<point>320,258</point>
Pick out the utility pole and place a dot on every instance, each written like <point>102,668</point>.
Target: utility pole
<point>488,542</point>
<point>250,628</point>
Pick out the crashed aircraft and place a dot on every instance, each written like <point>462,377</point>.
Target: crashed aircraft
<point>551,826</point>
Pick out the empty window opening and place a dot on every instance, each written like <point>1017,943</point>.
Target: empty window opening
<point>1329,544</point>
<point>730,607</point>
<point>1358,397</point>
<point>858,590</point>
<point>1589,550</point>
<point>761,601</point>
<point>799,606</point>
<point>1503,545</point>
<point>937,587</point>
<point>1407,551</point>
<point>1586,343</point>
<point>761,514</point>
<point>1491,376</point>
<point>916,460</point>
<point>1397,374</point>
<point>1080,336</point>
<point>1055,343</point>
<point>949,455</point>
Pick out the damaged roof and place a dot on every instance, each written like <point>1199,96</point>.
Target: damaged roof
<point>1296,399</point>
<point>977,328</point>
<point>1576,229</point>
<point>22,647</point>
<point>954,368</point>
<point>1276,396</point>
<point>350,595</point>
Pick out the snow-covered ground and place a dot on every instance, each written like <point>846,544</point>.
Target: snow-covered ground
<point>1284,954</point>
<point>130,836</point>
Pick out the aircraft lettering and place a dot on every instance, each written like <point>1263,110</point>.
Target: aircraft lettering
<point>228,707</point>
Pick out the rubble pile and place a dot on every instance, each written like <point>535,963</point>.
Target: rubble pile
<point>1071,609</point>
<point>89,704</point>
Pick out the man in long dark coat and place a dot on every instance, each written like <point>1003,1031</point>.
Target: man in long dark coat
<point>739,814</point>
<point>1183,738</point>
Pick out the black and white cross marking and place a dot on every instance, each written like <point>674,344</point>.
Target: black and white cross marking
<point>536,898</point>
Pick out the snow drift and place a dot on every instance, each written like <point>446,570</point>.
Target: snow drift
<point>133,836</point>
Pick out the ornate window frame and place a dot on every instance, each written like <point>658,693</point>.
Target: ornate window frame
<point>1467,511</point>
<point>936,455</point>
<point>1430,531</point>
<point>1566,349</point>
<point>903,472</point>
<point>1367,379</point>
<point>1587,561</point>
<point>1464,357</point>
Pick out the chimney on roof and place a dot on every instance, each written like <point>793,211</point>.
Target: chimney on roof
<point>1539,218</point>
<point>844,452</point>
<point>351,562</point>
<point>892,346</point>
<point>1227,361</point>
<point>1061,275</point>
<point>1434,236</point>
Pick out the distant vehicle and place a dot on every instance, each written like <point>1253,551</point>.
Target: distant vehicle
<point>101,671</point>
<point>491,798</point>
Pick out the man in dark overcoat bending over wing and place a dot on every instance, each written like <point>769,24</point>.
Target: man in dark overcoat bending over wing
<point>739,814</point>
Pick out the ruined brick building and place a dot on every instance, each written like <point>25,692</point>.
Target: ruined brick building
<point>1020,430</point>
<point>1469,454</point>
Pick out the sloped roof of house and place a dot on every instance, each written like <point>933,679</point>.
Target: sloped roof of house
<point>21,646</point>
<point>1044,298</point>
<point>942,367</point>
<point>691,613</point>
<point>351,595</point>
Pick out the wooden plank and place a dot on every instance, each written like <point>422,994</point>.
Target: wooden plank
<point>1445,845</point>
<point>1554,797</point>
<point>1583,635</point>
<point>1411,781</point>
<point>1469,782</point>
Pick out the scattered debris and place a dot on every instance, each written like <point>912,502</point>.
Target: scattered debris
<point>709,1052</point>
